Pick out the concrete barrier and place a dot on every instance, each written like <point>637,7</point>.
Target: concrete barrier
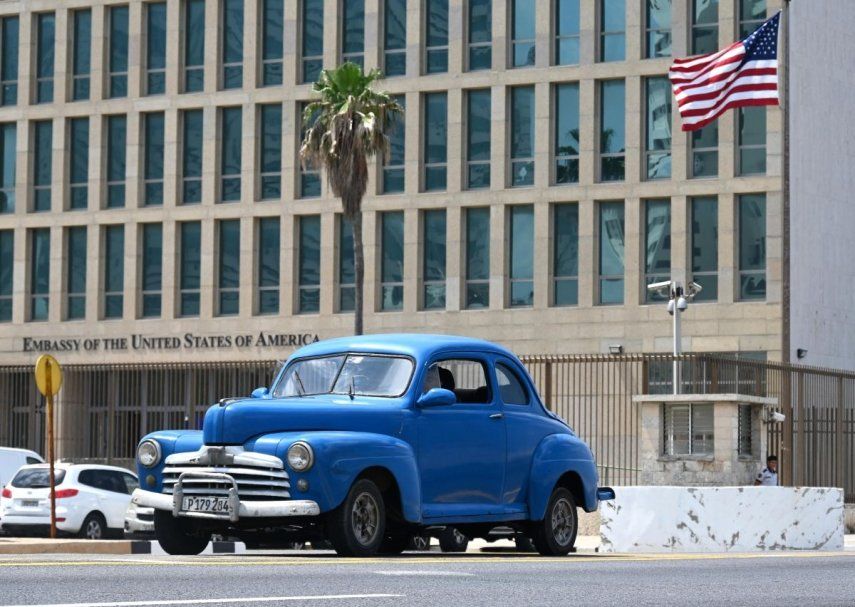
<point>722,519</point>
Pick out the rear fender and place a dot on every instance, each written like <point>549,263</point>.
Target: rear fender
<point>558,455</point>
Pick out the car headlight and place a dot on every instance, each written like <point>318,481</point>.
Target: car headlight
<point>300,456</point>
<point>148,453</point>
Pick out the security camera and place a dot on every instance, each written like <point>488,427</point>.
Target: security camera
<point>773,417</point>
<point>663,287</point>
<point>693,289</point>
<point>671,307</point>
<point>682,304</point>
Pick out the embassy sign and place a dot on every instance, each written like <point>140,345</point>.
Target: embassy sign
<point>186,342</point>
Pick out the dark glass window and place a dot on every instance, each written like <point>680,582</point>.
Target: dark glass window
<point>752,14</point>
<point>433,268</point>
<point>436,39</point>
<point>511,389</point>
<point>154,137</point>
<point>657,246</point>
<point>565,222</point>
<point>81,60</point>
<point>155,48</point>
<point>76,273</point>
<point>611,258</point>
<point>435,141</point>
<point>612,30</point>
<point>395,37</point>
<point>152,269</point>
<point>45,43</point>
<point>658,25</point>
<point>7,272</point>
<point>523,33</point>
<point>272,42</point>
<point>704,143</point>
<point>477,258</point>
<point>521,255</point>
<point>566,32</point>
<point>191,161</point>
<point>228,271</point>
<point>194,45</point>
<point>230,153</point>
<point>392,260</point>
<point>567,133</point>
<point>704,26</point>
<point>752,140</point>
<point>9,29</point>
<point>114,271</point>
<point>612,130</point>
<point>353,32</point>
<point>232,44</point>
<point>268,265</point>
<point>271,151</point>
<point>478,130</point>
<point>42,164</point>
<point>522,135</point>
<point>78,161</point>
<point>393,166</point>
<point>313,39</point>
<point>752,246</point>
<point>310,175</point>
<point>658,125</point>
<point>118,54</point>
<point>480,26</point>
<point>346,270</point>
<point>704,246</point>
<point>116,155</point>
<point>8,153</point>
<point>39,273</point>
<point>191,256</point>
<point>309,271</point>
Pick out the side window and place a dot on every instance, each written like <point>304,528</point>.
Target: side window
<point>510,387</point>
<point>466,378</point>
<point>94,479</point>
<point>33,460</point>
<point>130,481</point>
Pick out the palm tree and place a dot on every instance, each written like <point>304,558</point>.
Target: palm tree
<point>347,126</point>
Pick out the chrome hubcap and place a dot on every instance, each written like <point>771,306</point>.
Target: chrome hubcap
<point>563,522</point>
<point>93,530</point>
<point>365,518</point>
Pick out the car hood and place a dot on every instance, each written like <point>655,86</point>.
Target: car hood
<point>235,421</point>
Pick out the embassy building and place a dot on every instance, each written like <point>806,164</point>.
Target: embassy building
<point>153,207</point>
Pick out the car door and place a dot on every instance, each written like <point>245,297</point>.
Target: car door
<point>461,447</point>
<point>117,497</point>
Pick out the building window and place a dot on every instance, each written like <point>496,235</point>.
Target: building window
<point>9,28</point>
<point>232,75</point>
<point>433,266</point>
<point>436,39</point>
<point>752,246</point>
<point>477,258</point>
<point>395,37</point>
<point>153,170</point>
<point>346,270</point>
<point>75,302</point>
<point>657,246</point>
<point>393,164</point>
<point>392,260</point>
<point>744,430</point>
<point>228,268</point>
<point>118,66</point>
<point>155,56</point>
<point>272,42</point>
<point>704,26</point>
<point>81,60</point>
<point>566,133</point>
<point>566,32</point>
<point>309,271</point>
<point>353,32</point>
<point>310,174</point>
<point>658,25</point>
<point>565,254</point>
<point>435,141</point>
<point>658,124</point>
<point>270,140</point>
<point>612,130</point>
<point>78,161</point>
<point>114,271</point>
<point>191,257</point>
<point>612,30</point>
<point>523,33</point>
<point>230,153</point>
<point>522,136</point>
<point>688,430</point>
<point>704,246</point>
<point>480,34</point>
<point>752,14</point>
<point>7,266</point>
<point>268,265</point>
<point>752,140</point>
<point>45,42</point>
<point>152,269</point>
<point>611,258</point>
<point>521,255</point>
<point>191,160</point>
<point>313,39</point>
<point>478,126</point>
<point>8,164</point>
<point>39,273</point>
<point>704,143</point>
<point>194,45</point>
<point>116,155</point>
<point>42,164</point>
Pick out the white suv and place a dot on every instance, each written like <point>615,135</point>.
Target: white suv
<point>90,500</point>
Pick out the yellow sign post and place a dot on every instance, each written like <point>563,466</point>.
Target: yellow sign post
<point>48,381</point>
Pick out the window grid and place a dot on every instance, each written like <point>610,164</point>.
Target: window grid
<point>228,267</point>
<point>273,50</point>
<point>230,153</point>
<point>39,274</point>
<point>479,35</point>
<point>191,161</point>
<point>612,30</point>
<point>268,265</point>
<point>42,165</point>
<point>8,163</point>
<point>478,127</point>
<point>78,174</point>
<point>435,141</point>
<point>190,234</point>
<point>392,261</point>
<point>612,130</point>
<point>9,31</point>
<point>270,152</point>
<point>752,14</point>
<point>309,265</point>
<point>116,133</point>
<point>704,151</point>
<point>704,246</point>
<point>45,49</point>
<point>75,299</point>
<point>658,28</point>
<point>704,29</point>
<point>752,247</point>
<point>657,247</point>
<point>566,32</point>
<point>433,259</point>
<point>566,111</point>
<point>477,258</point>
<point>523,34</point>
<point>153,134</point>
<point>114,271</point>
<point>751,123</point>
<point>521,256</point>
<point>394,37</point>
<point>232,44</point>
<point>658,125</point>
<point>393,163</point>
<point>688,430</point>
<point>565,254</point>
<point>194,45</point>
<point>436,36</point>
<point>611,266</point>
<point>522,136</point>
<point>310,175</point>
<point>118,52</point>
<point>353,32</point>
<point>155,48</point>
<point>152,270</point>
<point>7,262</point>
<point>81,64</point>
<point>312,56</point>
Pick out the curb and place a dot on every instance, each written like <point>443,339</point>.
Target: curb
<point>112,547</point>
<point>153,547</point>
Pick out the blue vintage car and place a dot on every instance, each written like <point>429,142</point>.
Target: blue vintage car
<point>369,441</point>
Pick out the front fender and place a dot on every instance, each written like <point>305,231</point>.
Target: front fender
<point>171,441</point>
<point>555,456</point>
<point>340,457</point>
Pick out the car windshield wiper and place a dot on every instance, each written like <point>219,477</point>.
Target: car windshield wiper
<point>302,391</point>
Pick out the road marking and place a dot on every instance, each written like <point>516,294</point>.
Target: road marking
<point>427,573</point>
<point>258,599</point>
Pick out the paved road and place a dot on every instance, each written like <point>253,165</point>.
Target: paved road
<point>320,579</point>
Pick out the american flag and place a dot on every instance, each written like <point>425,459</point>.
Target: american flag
<point>744,73</point>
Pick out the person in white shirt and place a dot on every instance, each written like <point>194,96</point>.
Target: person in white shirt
<point>768,477</point>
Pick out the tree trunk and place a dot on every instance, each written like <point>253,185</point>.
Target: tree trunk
<point>359,271</point>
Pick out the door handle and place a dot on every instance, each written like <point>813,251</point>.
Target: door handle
<point>497,416</point>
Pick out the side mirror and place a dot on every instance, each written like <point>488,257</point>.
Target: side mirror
<point>260,393</point>
<point>436,397</point>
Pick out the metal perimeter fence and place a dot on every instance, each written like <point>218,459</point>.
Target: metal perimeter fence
<point>104,409</point>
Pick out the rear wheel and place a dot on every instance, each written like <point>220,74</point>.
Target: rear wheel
<point>555,535</point>
<point>94,527</point>
<point>177,536</point>
<point>358,526</point>
<point>451,540</point>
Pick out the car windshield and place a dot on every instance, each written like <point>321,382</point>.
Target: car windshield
<point>36,478</point>
<point>352,374</point>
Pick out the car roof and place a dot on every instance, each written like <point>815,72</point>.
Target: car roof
<point>17,450</point>
<point>417,345</point>
<point>77,467</point>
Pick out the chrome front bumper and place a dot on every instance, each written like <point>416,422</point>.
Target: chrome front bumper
<point>237,509</point>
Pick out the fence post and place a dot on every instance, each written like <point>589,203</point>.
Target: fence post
<point>801,432</point>
<point>838,435</point>
<point>547,384</point>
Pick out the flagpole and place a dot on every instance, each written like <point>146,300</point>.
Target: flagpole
<point>785,211</point>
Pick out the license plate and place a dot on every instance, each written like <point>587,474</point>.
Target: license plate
<point>29,503</point>
<point>213,505</point>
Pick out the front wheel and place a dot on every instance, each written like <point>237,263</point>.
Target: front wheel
<point>358,526</point>
<point>176,535</point>
<point>94,527</point>
<point>556,533</point>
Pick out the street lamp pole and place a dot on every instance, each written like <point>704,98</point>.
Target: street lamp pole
<point>678,301</point>
<point>676,314</point>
